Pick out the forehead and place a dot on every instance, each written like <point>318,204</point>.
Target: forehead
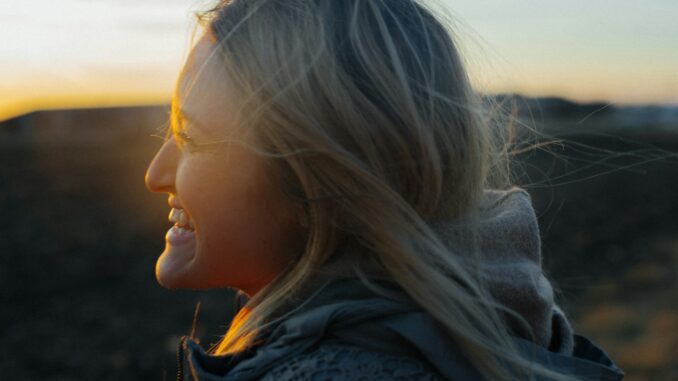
<point>203,92</point>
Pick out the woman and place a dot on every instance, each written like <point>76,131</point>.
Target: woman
<point>329,159</point>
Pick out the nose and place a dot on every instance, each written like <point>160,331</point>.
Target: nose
<point>160,174</point>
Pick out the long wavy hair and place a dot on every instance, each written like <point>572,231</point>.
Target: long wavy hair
<point>366,115</point>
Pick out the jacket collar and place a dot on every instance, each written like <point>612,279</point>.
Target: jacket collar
<point>348,311</point>
<point>502,230</point>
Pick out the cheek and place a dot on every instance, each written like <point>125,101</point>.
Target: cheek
<point>245,232</point>
<point>243,236</point>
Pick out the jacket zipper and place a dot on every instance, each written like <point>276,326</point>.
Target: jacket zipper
<point>180,365</point>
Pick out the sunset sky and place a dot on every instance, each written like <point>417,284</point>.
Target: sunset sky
<point>81,53</point>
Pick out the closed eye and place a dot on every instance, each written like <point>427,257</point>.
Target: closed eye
<point>183,136</point>
<point>178,124</point>
<point>178,131</point>
<point>183,139</point>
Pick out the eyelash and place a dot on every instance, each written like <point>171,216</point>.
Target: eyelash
<point>184,138</point>
<point>181,137</point>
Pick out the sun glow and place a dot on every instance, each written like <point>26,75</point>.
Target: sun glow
<point>74,53</point>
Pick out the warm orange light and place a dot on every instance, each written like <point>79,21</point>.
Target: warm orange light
<point>233,342</point>
<point>13,107</point>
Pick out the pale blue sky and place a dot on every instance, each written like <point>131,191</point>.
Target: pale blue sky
<point>69,53</point>
<point>622,50</point>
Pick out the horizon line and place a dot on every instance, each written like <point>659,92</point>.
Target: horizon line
<point>20,109</point>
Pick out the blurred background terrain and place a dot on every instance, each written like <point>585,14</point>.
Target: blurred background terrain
<point>80,235</point>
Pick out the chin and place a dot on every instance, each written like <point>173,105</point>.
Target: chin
<point>173,270</point>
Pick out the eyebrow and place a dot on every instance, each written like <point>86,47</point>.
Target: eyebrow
<point>179,114</point>
<point>177,111</point>
<point>196,126</point>
<point>188,116</point>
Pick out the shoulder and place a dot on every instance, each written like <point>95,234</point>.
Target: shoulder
<point>339,362</point>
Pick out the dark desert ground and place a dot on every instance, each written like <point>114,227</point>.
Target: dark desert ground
<point>79,236</point>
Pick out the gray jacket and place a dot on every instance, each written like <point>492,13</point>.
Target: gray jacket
<point>345,331</point>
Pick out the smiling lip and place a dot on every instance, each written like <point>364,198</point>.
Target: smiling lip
<point>178,236</point>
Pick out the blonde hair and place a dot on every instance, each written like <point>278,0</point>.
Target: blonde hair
<point>366,113</point>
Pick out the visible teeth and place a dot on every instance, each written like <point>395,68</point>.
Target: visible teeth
<point>174,215</point>
<point>181,219</point>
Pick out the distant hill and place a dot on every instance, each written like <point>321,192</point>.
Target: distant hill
<point>549,108</point>
<point>70,124</point>
<point>72,127</point>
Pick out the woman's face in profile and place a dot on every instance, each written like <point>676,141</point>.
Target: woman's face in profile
<point>233,227</point>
